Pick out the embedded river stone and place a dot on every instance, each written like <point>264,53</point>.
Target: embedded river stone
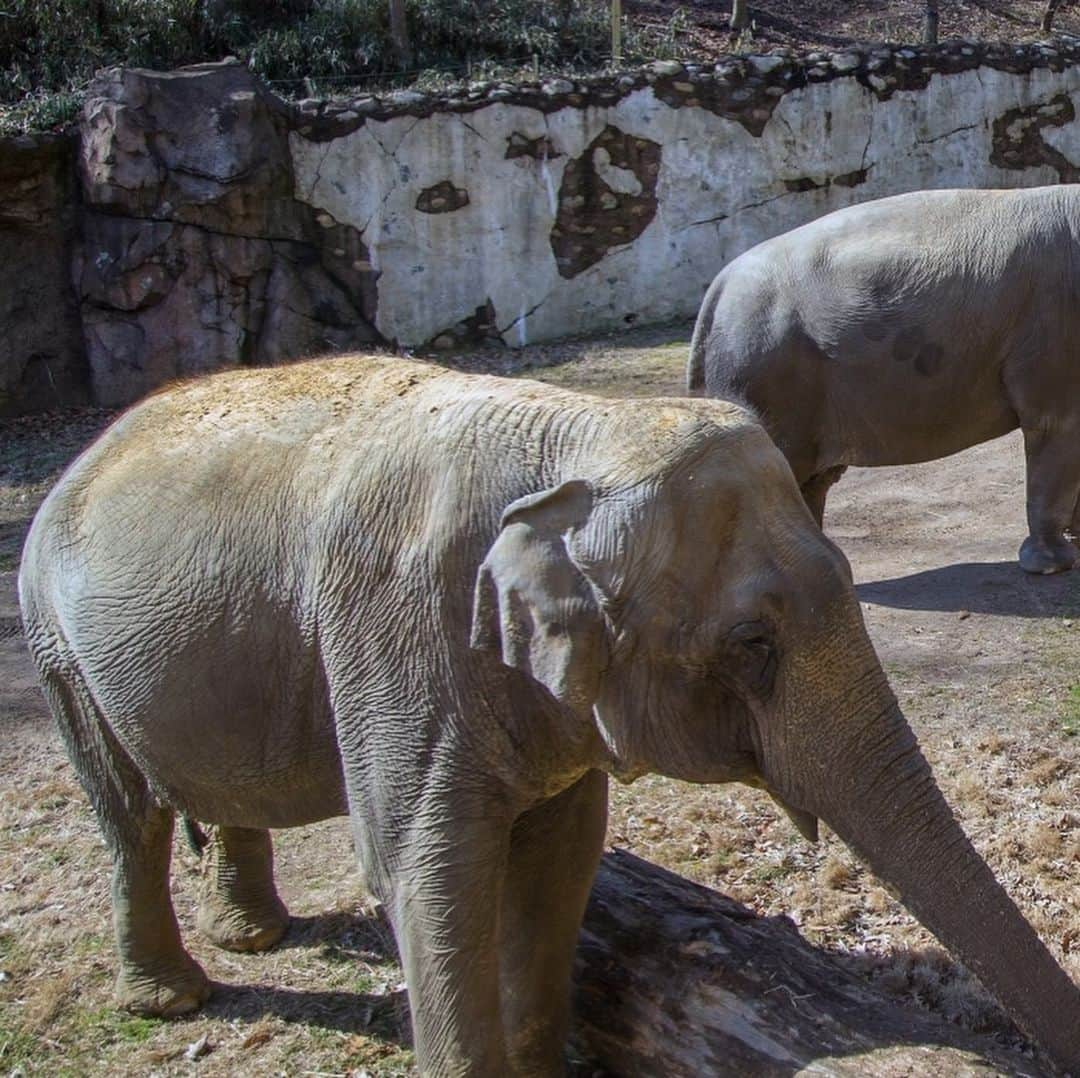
<point>442,198</point>
<point>607,199</point>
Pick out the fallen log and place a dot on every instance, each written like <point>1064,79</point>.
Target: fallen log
<point>674,979</point>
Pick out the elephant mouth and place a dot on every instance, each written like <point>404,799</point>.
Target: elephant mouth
<point>623,772</point>
<point>806,823</point>
<point>617,760</point>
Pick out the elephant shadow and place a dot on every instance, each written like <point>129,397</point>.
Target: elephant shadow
<point>980,588</point>
<point>339,937</point>
<point>381,1017</point>
<point>661,956</point>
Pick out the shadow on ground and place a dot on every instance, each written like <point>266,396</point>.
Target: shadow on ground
<point>365,944</point>
<point>1001,588</point>
<point>668,972</point>
<point>384,1017</point>
<point>345,935</point>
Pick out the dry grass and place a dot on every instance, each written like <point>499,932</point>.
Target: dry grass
<point>330,1000</point>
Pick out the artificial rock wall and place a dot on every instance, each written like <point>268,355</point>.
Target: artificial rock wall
<point>42,358</point>
<point>220,225</point>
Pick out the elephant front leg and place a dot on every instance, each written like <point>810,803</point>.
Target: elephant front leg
<point>554,851</point>
<point>240,909</point>
<point>157,976</point>
<point>1053,487</point>
<point>439,879</point>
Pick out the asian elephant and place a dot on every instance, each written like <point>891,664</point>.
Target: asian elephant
<point>909,328</point>
<point>450,606</point>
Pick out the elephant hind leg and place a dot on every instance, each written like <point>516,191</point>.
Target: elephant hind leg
<point>816,489</point>
<point>157,976</point>
<point>241,910</point>
<point>1053,490</point>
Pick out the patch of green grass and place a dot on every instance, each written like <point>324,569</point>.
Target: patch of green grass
<point>1070,717</point>
<point>92,943</point>
<point>722,859</point>
<point>56,856</point>
<point>16,1046</point>
<point>7,945</point>
<point>322,1037</point>
<point>776,871</point>
<point>110,1026</point>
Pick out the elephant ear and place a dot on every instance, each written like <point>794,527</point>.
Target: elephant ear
<point>532,603</point>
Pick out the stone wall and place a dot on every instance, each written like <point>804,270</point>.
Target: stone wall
<point>42,364</point>
<point>195,252</point>
<point>220,225</point>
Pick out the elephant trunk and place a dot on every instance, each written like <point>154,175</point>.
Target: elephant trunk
<point>891,812</point>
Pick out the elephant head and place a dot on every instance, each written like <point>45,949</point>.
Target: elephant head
<point>697,616</point>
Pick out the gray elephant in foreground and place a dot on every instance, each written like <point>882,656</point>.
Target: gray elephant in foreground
<point>909,328</point>
<point>450,606</point>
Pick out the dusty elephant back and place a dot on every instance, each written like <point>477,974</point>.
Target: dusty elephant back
<point>193,563</point>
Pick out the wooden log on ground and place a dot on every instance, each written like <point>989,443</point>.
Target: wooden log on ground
<point>674,979</point>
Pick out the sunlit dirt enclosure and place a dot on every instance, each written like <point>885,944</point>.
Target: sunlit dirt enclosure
<point>983,658</point>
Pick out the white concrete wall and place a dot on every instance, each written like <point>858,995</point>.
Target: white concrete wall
<point>720,190</point>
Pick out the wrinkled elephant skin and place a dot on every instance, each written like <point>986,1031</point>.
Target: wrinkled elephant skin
<point>450,606</point>
<point>909,328</point>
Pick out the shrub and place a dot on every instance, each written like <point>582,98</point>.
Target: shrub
<point>50,49</point>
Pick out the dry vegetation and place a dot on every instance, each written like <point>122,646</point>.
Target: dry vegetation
<point>837,24</point>
<point>49,49</point>
<point>984,659</point>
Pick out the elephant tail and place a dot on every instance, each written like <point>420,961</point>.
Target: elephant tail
<point>695,368</point>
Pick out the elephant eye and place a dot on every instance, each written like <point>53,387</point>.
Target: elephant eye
<point>754,654</point>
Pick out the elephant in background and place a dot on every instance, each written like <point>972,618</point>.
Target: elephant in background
<point>909,328</point>
<point>450,606</point>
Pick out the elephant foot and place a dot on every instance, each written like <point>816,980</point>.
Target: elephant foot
<point>160,993</point>
<point>243,928</point>
<point>1047,556</point>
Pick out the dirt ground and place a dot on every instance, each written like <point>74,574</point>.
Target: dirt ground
<point>983,657</point>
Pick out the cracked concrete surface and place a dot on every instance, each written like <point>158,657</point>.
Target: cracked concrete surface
<point>204,245</point>
<point>720,189</point>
